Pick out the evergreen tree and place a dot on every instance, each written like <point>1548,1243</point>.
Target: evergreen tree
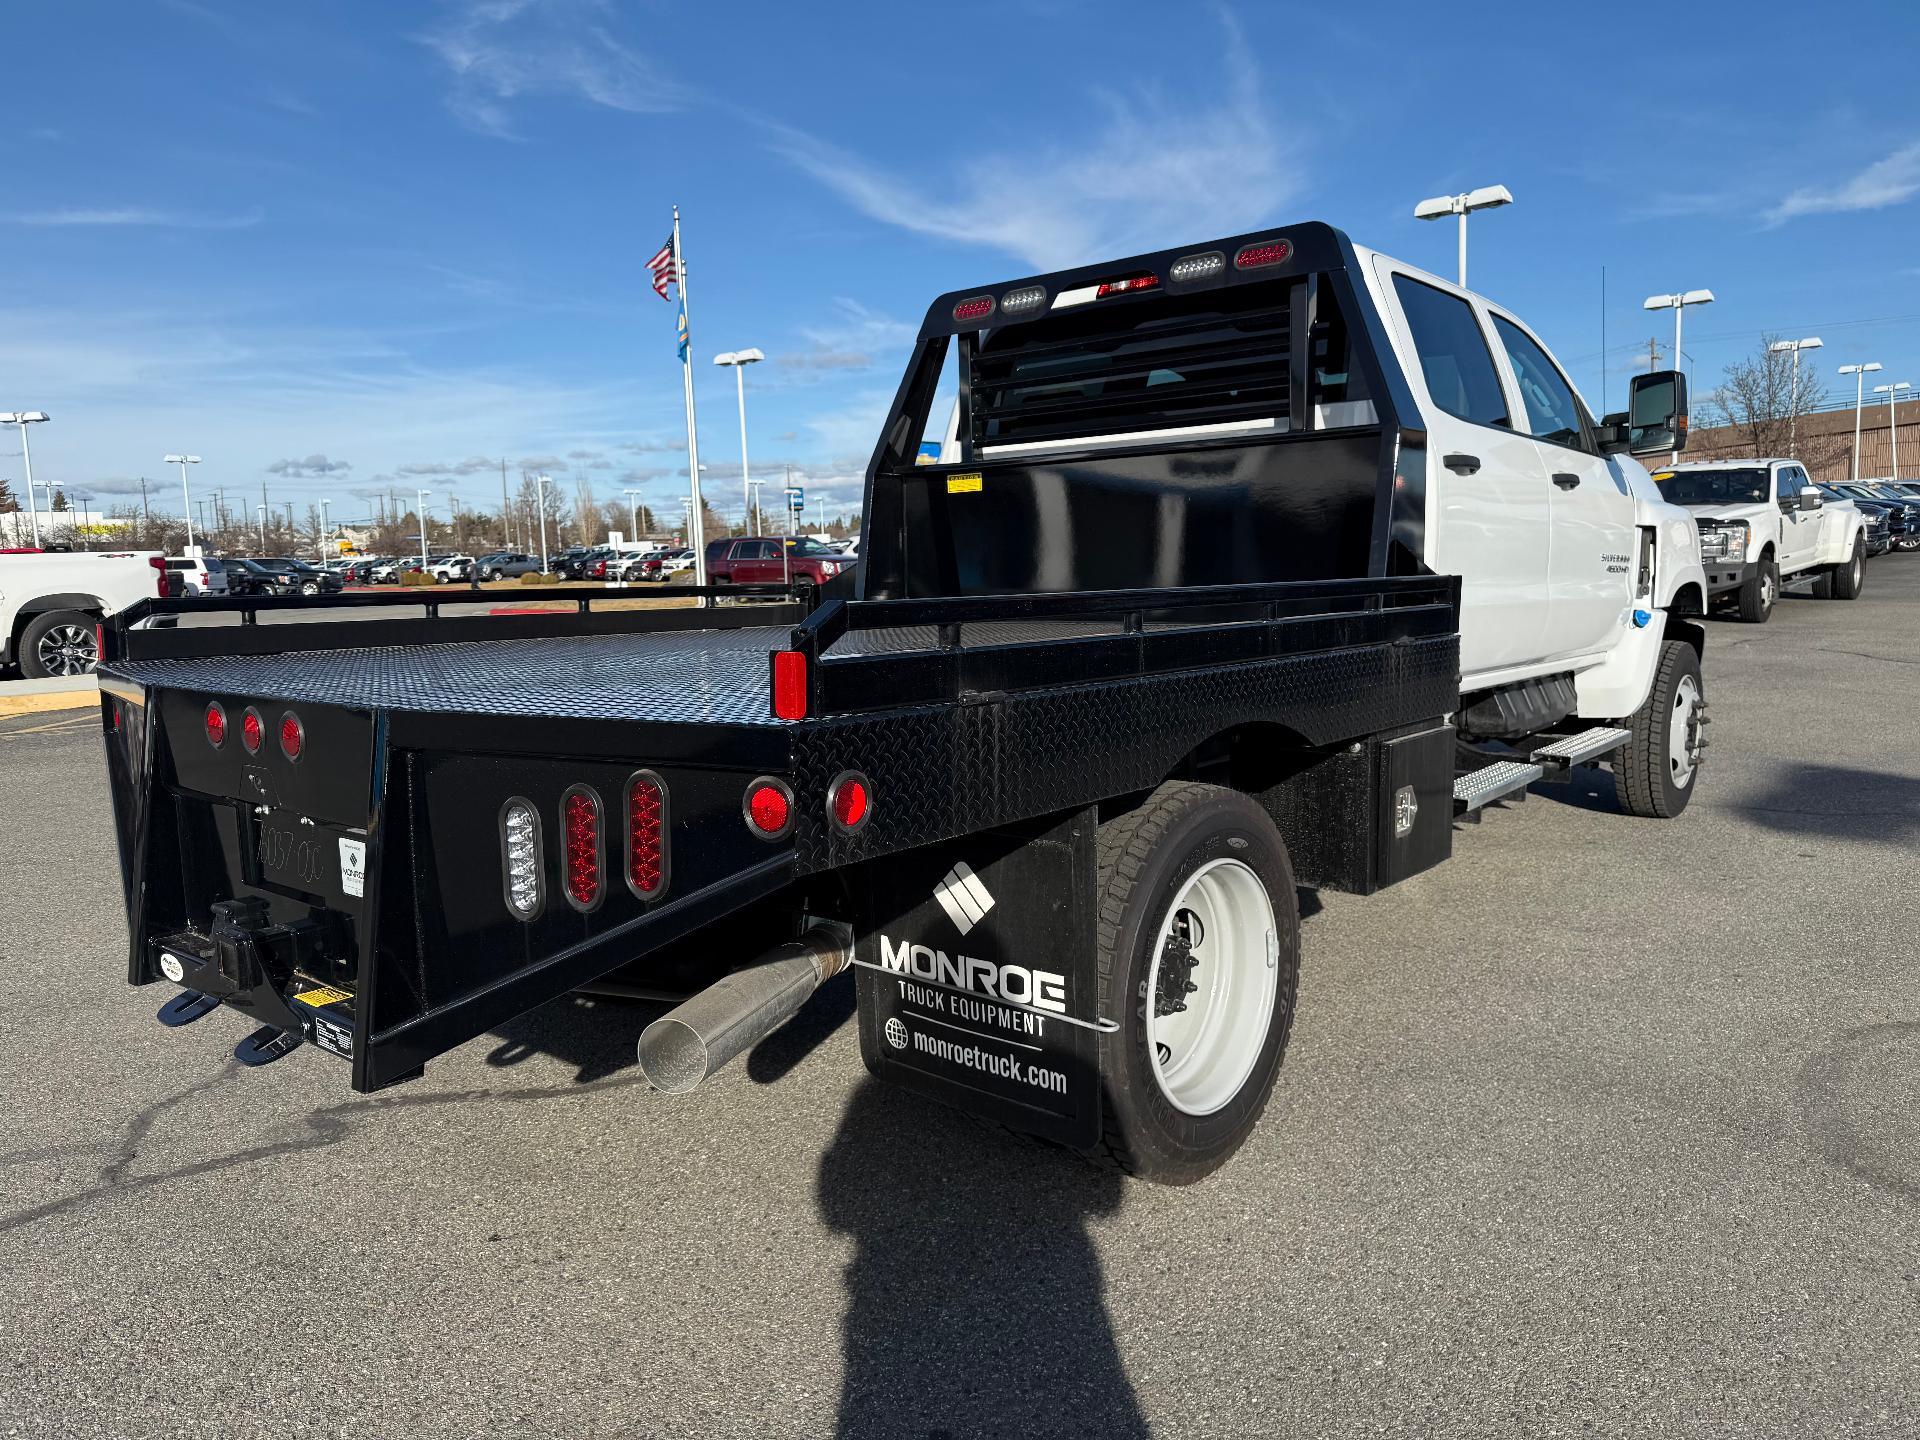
<point>8,504</point>
<point>59,499</point>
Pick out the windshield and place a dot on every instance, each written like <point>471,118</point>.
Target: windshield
<point>1709,487</point>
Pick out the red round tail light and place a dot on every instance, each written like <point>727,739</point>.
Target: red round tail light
<point>251,730</point>
<point>849,801</point>
<point>580,859</point>
<point>216,724</point>
<point>769,808</point>
<point>293,736</point>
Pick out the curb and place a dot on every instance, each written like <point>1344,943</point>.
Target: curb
<point>36,697</point>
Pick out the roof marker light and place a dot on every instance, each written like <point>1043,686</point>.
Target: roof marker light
<point>1027,297</point>
<point>1124,287</point>
<point>1259,257</point>
<point>1197,267</point>
<point>978,308</point>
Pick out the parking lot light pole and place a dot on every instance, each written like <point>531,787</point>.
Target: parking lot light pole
<point>739,360</point>
<point>1812,342</point>
<point>1678,304</point>
<point>633,513</point>
<point>24,418</point>
<point>326,526</point>
<point>420,504</point>
<point>542,482</point>
<point>186,494</point>
<point>1892,392</point>
<point>1487,197</point>
<point>262,508</point>
<point>1859,373</point>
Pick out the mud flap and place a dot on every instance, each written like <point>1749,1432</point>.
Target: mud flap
<point>976,958</point>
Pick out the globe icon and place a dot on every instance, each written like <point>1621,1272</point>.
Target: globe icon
<point>896,1033</point>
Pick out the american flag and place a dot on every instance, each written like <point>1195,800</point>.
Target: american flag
<point>665,271</point>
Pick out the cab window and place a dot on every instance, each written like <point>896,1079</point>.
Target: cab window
<point>1454,359</point>
<point>1553,412</point>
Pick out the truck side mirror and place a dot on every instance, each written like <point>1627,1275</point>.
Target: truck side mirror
<point>1809,498</point>
<point>1657,412</point>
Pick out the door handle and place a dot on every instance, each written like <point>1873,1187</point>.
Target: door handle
<point>1462,464</point>
<point>1566,482</point>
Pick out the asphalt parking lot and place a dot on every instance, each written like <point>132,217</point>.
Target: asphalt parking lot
<point>1605,1127</point>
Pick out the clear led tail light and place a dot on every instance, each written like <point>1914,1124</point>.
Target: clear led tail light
<point>520,858</point>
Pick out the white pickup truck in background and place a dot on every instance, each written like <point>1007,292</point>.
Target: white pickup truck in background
<point>1764,524</point>
<point>51,604</point>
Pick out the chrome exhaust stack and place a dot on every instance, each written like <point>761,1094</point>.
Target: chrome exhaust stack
<point>695,1039</point>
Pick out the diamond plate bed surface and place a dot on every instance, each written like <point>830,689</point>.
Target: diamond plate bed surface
<point>713,677</point>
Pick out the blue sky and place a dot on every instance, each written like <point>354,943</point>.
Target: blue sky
<point>340,247</point>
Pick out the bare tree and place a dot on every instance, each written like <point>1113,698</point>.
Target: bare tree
<point>1759,399</point>
<point>587,518</point>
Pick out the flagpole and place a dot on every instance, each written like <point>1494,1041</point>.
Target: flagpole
<point>696,531</point>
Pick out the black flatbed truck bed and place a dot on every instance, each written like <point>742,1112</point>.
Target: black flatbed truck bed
<point>1033,673</point>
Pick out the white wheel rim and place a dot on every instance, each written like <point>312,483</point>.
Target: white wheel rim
<point>1202,1055</point>
<point>1766,591</point>
<point>1680,730</point>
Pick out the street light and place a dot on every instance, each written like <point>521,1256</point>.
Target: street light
<point>633,513</point>
<point>1678,304</point>
<point>183,461</point>
<point>420,504</point>
<point>326,527</point>
<point>1487,197</point>
<point>24,418</point>
<point>739,360</point>
<point>1859,373</point>
<point>543,481</point>
<point>1892,392</point>
<point>1812,342</point>
<point>262,508</point>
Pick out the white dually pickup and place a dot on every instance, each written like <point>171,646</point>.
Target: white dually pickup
<point>1763,524</point>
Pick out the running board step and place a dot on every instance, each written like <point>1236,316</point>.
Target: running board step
<point>1492,782</point>
<point>1588,745</point>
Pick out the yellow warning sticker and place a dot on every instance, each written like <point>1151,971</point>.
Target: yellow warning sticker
<point>322,995</point>
<point>963,484</point>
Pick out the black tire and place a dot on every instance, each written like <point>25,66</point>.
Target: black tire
<point>1845,582</point>
<point>1644,773</point>
<point>1759,592</point>
<point>489,574</point>
<point>1145,857</point>
<point>59,643</point>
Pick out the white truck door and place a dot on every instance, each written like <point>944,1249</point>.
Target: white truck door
<point>1488,516</point>
<point>1592,555</point>
<point>1799,530</point>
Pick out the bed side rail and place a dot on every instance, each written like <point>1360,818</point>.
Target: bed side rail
<point>927,654</point>
<point>151,629</point>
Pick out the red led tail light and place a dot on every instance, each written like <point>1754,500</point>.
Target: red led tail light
<point>252,731</point>
<point>293,736</point>
<point>1258,257</point>
<point>1127,286</point>
<point>647,835</point>
<point>216,724</point>
<point>582,866</point>
<point>977,308</point>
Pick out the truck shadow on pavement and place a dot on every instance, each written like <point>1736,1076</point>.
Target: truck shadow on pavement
<point>975,1300</point>
<point>1837,802</point>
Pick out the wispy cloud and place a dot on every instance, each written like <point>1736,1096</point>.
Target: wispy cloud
<point>311,467</point>
<point>1891,180</point>
<point>1153,165</point>
<point>137,215</point>
<point>500,51</point>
